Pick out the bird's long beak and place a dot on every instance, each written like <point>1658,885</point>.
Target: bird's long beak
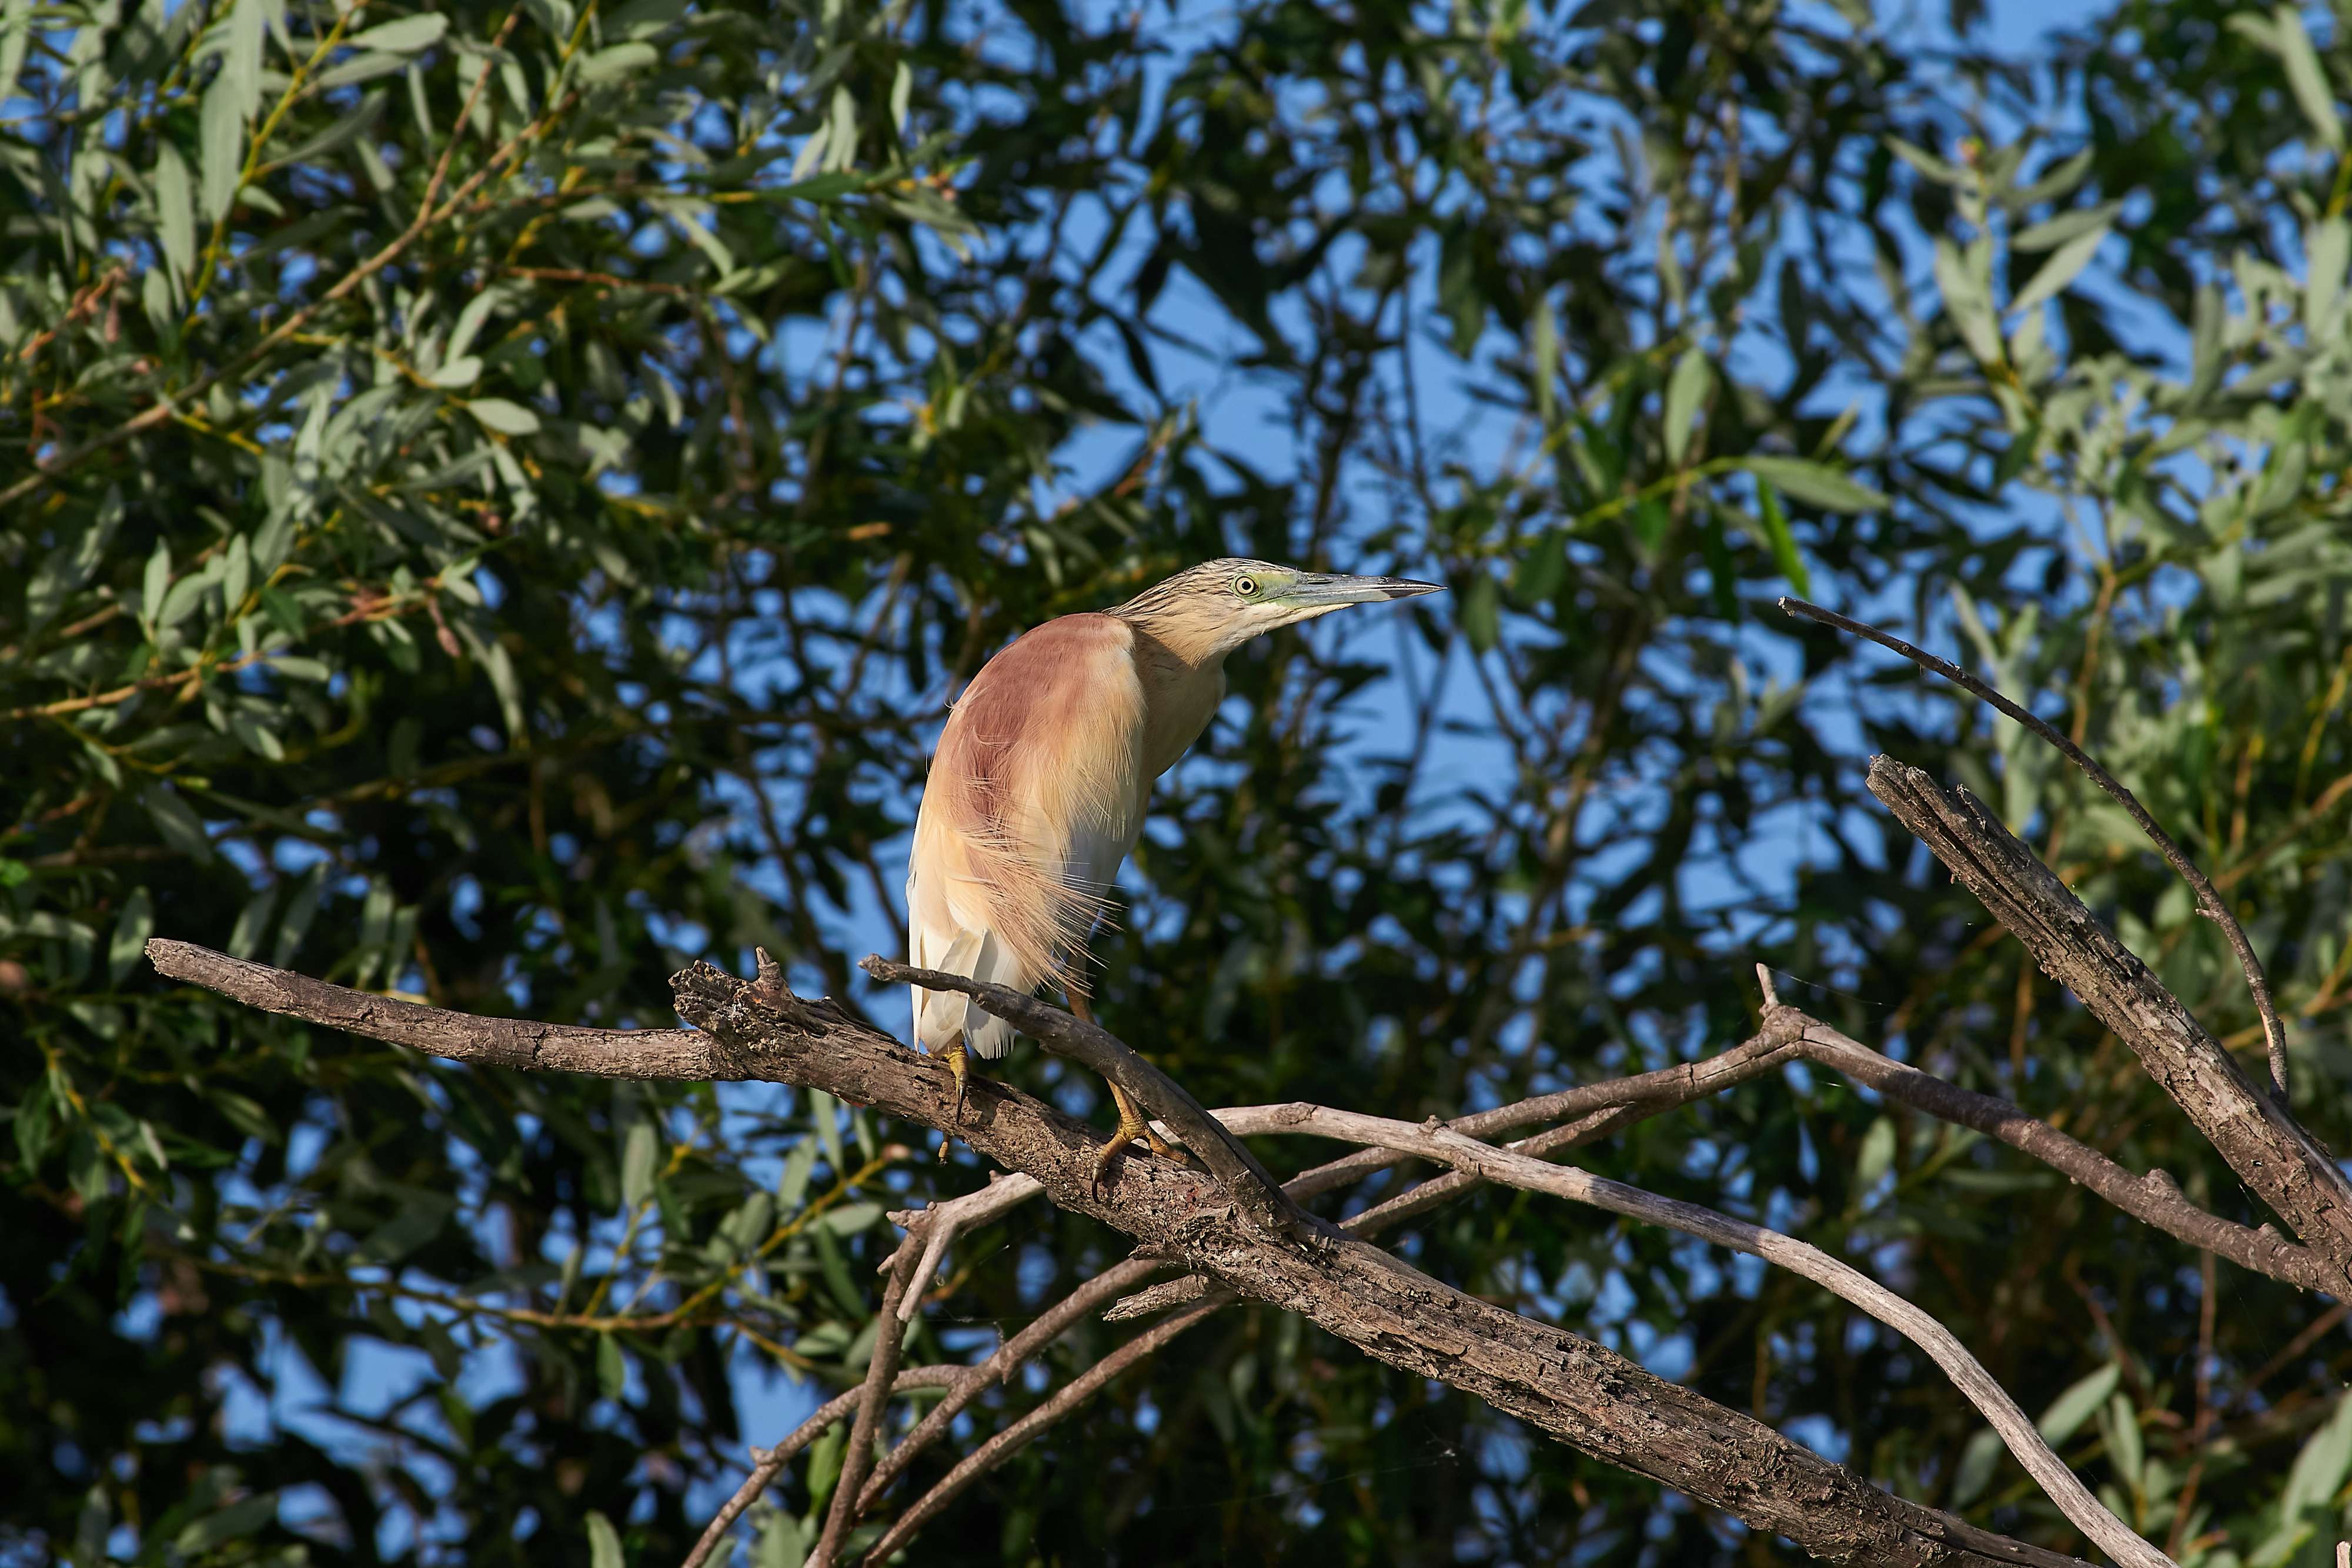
<point>1328,590</point>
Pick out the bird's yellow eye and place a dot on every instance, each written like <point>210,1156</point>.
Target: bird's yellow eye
<point>1246,586</point>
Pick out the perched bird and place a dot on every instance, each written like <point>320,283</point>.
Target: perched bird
<point>1038,787</point>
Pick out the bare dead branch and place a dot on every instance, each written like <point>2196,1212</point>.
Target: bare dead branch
<point>2282,1162</point>
<point>946,1222</point>
<point>2017,1431</point>
<point>2152,1198</point>
<point>1564,1385</point>
<point>665,1053</point>
<point>2208,901</point>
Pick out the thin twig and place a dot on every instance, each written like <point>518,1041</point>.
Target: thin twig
<point>1005,1444</point>
<point>2208,900</point>
<point>890,1336</point>
<point>1009,1357</point>
<point>768,1464</point>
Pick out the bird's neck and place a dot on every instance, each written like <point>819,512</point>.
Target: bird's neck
<point>1198,642</point>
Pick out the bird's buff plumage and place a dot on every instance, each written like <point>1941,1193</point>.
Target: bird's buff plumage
<point>1038,787</point>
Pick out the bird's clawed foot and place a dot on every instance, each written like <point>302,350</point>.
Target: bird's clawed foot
<point>959,1057</point>
<point>1132,1124</point>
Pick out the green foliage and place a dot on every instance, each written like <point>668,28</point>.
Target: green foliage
<point>496,501</point>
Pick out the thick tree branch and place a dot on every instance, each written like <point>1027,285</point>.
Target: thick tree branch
<point>2208,901</point>
<point>2282,1163</point>
<point>668,1053</point>
<point>1568,1387</point>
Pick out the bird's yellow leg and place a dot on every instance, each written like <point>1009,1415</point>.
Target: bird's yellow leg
<point>959,1057</point>
<point>1132,1122</point>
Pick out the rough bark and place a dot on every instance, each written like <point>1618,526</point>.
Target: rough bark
<point>1568,1387</point>
<point>2279,1161</point>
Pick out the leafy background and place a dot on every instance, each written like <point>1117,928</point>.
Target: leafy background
<point>495,505</point>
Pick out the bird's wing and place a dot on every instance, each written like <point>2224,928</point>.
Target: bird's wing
<point>1032,804</point>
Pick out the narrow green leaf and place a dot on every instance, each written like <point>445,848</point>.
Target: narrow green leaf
<point>236,574</point>
<point>2307,76</point>
<point>132,929</point>
<point>824,1114</point>
<point>612,1367</point>
<point>1960,277</point>
<point>1481,612</point>
<point>15,34</point>
<point>637,1157</point>
<point>402,35</point>
<point>1815,482</point>
<point>247,1516</point>
<point>1685,391</point>
<point>1546,352</point>
<point>2051,233</point>
<point>1780,540</point>
<point>221,145</point>
<point>34,1115</point>
<point>175,212</point>
<point>1926,163</point>
<point>1877,1156</point>
<point>2071,1409</point>
<point>506,418</point>
<point>612,64</point>
<point>2326,250</point>
<point>1722,572</point>
<point>604,1543</point>
<point>902,91</point>
<point>793,1184</point>
<point>177,824</point>
<point>2322,1464</point>
<point>2059,271</point>
<point>241,61</point>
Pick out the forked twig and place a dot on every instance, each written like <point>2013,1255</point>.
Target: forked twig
<point>2209,902</point>
<point>889,1334</point>
<point>768,1464</point>
<point>1005,1444</point>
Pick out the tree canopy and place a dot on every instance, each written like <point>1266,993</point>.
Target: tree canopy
<point>496,500</point>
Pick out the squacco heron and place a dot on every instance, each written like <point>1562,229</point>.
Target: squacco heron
<point>1040,779</point>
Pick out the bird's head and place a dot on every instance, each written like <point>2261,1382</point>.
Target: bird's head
<point>1210,610</point>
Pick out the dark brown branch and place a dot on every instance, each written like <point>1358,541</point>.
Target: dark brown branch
<point>1243,1178</point>
<point>2282,1163</point>
<point>1568,1387</point>
<point>667,1053</point>
<point>2208,900</point>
